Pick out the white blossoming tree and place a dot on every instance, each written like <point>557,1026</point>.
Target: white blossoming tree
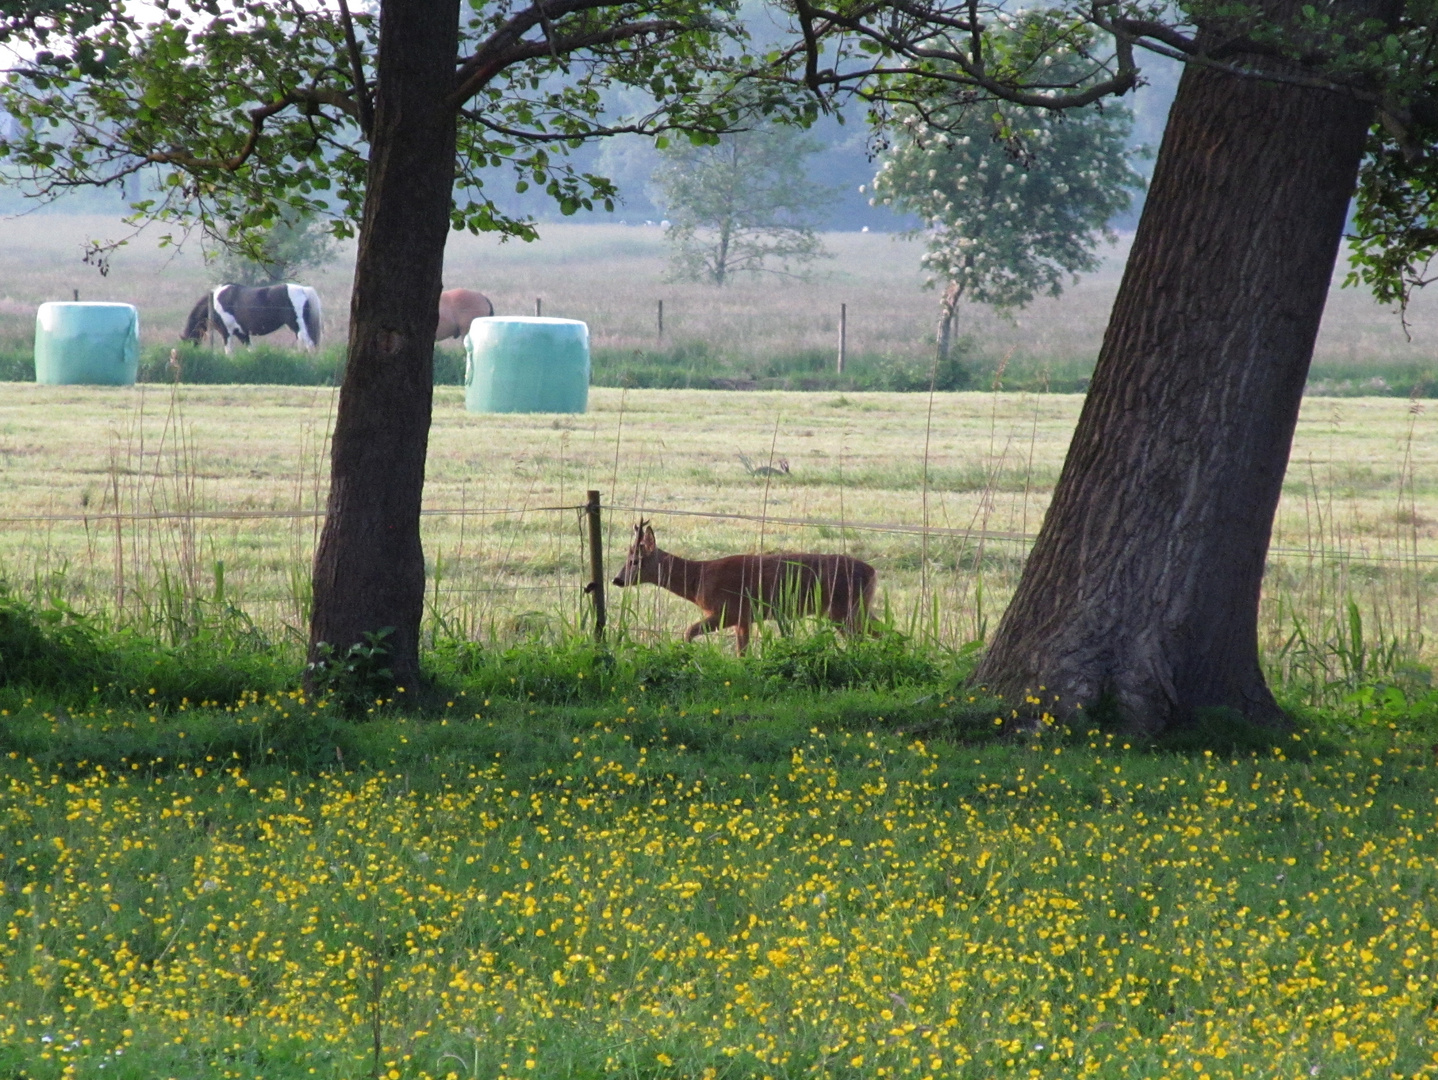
<point>1013,199</point>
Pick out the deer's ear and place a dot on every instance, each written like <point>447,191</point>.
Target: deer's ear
<point>646,542</point>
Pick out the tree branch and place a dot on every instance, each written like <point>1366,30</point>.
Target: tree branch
<point>487,61</point>
<point>258,116</point>
<point>805,13</point>
<point>522,50</point>
<point>642,127</point>
<point>366,110</point>
<point>969,71</point>
<point>1136,29</point>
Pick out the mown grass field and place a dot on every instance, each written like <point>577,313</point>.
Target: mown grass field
<point>1357,520</point>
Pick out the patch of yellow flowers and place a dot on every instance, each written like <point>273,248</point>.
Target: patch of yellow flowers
<point>1212,921</point>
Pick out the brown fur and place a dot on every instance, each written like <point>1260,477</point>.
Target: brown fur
<point>457,309</point>
<point>740,590</point>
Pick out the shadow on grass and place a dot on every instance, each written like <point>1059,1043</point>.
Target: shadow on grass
<point>74,692</point>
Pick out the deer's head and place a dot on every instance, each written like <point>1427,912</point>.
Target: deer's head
<point>642,563</point>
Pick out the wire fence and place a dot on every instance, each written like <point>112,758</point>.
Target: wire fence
<point>900,528</point>
<point>495,572</point>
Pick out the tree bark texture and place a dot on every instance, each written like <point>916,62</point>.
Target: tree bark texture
<point>1143,586</point>
<point>948,307</point>
<point>369,566</point>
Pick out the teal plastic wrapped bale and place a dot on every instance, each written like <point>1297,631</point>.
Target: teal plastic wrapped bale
<point>84,344</point>
<point>526,364</point>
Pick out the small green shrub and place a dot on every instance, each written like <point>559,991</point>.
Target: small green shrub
<point>47,648</point>
<point>17,365</point>
<point>356,680</point>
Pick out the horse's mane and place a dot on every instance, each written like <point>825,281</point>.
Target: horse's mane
<point>199,321</point>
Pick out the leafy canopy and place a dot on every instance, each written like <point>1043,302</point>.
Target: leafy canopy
<point>240,112</point>
<point>1071,54</point>
<point>740,203</point>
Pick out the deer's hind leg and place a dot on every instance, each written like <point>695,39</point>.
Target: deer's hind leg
<point>741,637</point>
<point>710,622</point>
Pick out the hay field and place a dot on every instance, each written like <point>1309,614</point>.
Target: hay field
<point>1359,518</point>
<point>612,277</point>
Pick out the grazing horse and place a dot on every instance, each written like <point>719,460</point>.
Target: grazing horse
<point>243,311</point>
<point>457,309</point>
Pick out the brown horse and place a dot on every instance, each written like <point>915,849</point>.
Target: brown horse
<point>457,309</point>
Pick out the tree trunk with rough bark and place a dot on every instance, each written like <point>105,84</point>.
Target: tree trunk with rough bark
<point>1142,589</point>
<point>369,568</point>
<point>947,308</point>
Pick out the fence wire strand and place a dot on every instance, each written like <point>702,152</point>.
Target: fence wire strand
<point>112,517</point>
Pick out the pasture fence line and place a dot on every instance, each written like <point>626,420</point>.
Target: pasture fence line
<point>114,517</point>
<point>264,515</point>
<point>528,569</point>
<point>984,534</point>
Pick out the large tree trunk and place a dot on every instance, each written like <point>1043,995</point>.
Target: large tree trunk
<point>1143,586</point>
<point>369,567</point>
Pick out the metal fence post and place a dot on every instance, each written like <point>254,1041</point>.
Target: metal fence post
<point>596,563</point>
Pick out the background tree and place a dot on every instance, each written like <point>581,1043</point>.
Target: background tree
<point>241,110</point>
<point>1012,200</point>
<point>740,203</point>
<point>295,243</point>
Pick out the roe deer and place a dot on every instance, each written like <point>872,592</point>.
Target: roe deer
<point>740,590</point>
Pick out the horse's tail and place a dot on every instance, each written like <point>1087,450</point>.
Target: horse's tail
<point>314,316</point>
<point>308,318</point>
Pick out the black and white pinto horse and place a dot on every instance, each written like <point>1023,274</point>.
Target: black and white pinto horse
<point>243,311</point>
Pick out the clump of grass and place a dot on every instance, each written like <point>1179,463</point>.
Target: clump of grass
<point>576,670</point>
<point>259,364</point>
<point>821,660</point>
<point>53,650</point>
<point>17,364</point>
<point>1378,377</point>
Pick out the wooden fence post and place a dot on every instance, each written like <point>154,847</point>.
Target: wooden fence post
<point>596,563</point>
<point>843,335</point>
<point>661,320</point>
<point>538,307</point>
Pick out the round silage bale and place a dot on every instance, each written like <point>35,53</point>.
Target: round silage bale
<point>522,363</point>
<point>87,344</point>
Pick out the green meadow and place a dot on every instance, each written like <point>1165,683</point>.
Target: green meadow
<point>560,858</point>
